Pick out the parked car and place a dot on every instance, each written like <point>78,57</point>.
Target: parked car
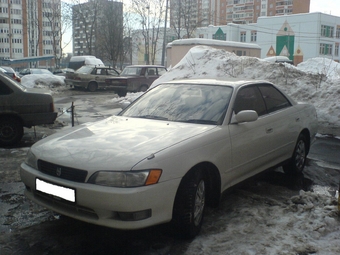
<point>135,78</point>
<point>22,107</point>
<point>90,77</point>
<point>34,71</point>
<point>169,154</point>
<point>10,72</point>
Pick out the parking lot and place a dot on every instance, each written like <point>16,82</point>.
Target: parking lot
<point>257,206</point>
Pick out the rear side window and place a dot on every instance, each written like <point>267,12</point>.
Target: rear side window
<point>161,71</point>
<point>273,98</point>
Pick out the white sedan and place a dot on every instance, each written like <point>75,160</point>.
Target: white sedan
<point>169,154</point>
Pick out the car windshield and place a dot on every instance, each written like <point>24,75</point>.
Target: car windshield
<point>85,69</point>
<point>131,71</point>
<point>192,103</point>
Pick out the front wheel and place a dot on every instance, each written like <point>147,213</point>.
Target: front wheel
<point>92,86</point>
<point>190,204</point>
<point>298,160</point>
<point>11,131</point>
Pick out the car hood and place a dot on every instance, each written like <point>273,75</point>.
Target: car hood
<point>116,143</point>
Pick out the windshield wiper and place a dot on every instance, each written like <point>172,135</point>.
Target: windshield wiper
<point>154,117</point>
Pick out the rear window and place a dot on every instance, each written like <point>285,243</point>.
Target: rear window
<point>131,71</point>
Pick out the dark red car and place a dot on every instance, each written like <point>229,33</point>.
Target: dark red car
<point>135,78</point>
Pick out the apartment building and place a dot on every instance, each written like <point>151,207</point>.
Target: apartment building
<point>88,23</point>
<point>29,29</point>
<point>222,12</point>
<point>248,11</point>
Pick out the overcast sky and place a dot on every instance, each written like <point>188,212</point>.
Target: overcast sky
<point>325,6</point>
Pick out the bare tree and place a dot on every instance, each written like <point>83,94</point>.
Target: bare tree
<point>58,23</point>
<point>34,28</point>
<point>184,18</point>
<point>126,51</point>
<point>151,13</point>
<point>109,37</point>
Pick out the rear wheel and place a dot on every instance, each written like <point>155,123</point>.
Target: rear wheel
<point>190,204</point>
<point>122,93</point>
<point>143,88</point>
<point>298,160</point>
<point>11,131</point>
<point>92,86</point>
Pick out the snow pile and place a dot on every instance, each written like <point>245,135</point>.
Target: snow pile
<point>323,66</point>
<point>255,222</point>
<point>303,85</point>
<point>42,80</point>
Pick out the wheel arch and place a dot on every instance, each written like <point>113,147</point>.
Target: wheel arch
<point>143,85</point>
<point>213,181</point>
<point>305,132</point>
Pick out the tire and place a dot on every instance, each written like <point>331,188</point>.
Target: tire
<point>92,86</point>
<point>11,131</point>
<point>122,93</point>
<point>189,206</point>
<point>297,163</point>
<point>143,88</point>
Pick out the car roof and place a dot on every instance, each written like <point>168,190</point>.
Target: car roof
<point>103,67</point>
<point>233,82</point>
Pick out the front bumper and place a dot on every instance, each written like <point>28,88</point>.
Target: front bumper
<point>102,205</point>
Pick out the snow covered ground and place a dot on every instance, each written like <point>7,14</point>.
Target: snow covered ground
<point>266,219</point>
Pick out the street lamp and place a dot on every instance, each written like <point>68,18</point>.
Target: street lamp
<point>164,34</point>
<point>148,37</point>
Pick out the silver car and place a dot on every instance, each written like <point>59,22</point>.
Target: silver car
<point>169,154</point>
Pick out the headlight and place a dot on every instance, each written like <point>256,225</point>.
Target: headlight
<point>126,179</point>
<point>31,159</point>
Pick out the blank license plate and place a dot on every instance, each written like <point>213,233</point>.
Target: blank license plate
<point>56,190</point>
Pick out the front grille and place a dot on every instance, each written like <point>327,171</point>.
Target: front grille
<point>62,172</point>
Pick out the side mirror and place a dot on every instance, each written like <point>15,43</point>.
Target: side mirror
<point>246,116</point>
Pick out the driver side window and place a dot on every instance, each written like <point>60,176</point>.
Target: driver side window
<point>249,98</point>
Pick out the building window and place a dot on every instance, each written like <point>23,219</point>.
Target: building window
<point>253,37</point>
<point>336,50</point>
<point>243,37</point>
<point>327,31</point>
<point>337,32</point>
<point>326,49</point>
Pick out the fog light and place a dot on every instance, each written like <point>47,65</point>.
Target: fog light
<point>133,216</point>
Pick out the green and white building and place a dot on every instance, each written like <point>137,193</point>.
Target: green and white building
<point>298,36</point>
